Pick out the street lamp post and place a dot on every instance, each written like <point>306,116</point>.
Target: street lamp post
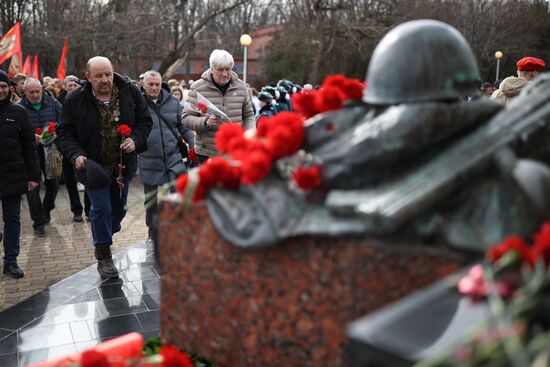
<point>498,56</point>
<point>246,41</point>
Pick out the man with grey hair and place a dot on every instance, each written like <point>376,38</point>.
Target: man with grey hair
<point>70,83</point>
<point>162,162</point>
<point>104,160</point>
<point>221,86</point>
<point>41,109</point>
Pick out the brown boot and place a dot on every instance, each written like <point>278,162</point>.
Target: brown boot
<point>105,265</point>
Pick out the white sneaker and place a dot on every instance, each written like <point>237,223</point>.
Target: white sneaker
<point>80,187</point>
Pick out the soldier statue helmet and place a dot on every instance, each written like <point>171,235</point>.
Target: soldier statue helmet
<point>421,60</point>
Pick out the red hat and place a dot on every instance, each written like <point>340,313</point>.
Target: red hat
<point>530,64</point>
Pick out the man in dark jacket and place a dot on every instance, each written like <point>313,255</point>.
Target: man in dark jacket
<point>90,128</point>
<point>42,109</point>
<point>162,161</point>
<point>19,171</point>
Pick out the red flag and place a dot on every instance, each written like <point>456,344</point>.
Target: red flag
<point>36,67</point>
<point>61,68</point>
<point>10,43</point>
<point>27,66</point>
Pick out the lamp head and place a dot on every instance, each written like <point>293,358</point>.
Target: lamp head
<point>246,40</point>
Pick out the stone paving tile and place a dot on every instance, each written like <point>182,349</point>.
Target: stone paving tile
<point>67,248</point>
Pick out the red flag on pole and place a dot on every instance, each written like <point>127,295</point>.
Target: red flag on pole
<point>27,66</point>
<point>36,67</point>
<point>61,68</point>
<point>10,43</point>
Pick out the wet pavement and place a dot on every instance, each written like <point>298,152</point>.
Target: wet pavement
<point>83,310</point>
<point>67,247</point>
<point>62,305</point>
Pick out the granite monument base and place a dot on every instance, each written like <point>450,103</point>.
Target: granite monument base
<point>285,305</point>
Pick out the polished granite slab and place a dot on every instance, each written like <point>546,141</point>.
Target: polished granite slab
<point>83,310</point>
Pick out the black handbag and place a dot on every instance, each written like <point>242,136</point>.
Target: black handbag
<point>182,146</point>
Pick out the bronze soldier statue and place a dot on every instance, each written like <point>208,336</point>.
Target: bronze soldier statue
<point>414,159</point>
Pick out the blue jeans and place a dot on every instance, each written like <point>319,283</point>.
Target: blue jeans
<point>11,210</point>
<point>107,209</point>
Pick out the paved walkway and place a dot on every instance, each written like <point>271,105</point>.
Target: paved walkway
<point>67,247</point>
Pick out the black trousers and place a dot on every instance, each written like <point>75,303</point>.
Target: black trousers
<point>38,208</point>
<point>151,207</point>
<point>72,189</point>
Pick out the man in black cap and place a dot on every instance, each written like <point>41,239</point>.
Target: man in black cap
<point>19,172</point>
<point>90,123</point>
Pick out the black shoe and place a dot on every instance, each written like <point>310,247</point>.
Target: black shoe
<point>14,271</point>
<point>48,217</point>
<point>105,264</point>
<point>39,232</point>
<point>77,218</point>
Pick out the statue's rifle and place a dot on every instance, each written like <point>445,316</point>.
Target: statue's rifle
<point>394,203</point>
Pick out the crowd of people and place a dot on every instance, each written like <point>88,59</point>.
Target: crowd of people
<point>109,128</point>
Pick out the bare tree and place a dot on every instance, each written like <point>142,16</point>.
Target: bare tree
<point>318,37</point>
<point>199,15</point>
<point>10,12</point>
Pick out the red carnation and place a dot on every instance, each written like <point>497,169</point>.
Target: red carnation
<point>541,246</point>
<point>278,141</point>
<point>260,131</point>
<point>212,171</point>
<point>255,167</point>
<point>181,184</point>
<point>329,99</point>
<point>38,131</point>
<point>351,88</point>
<point>51,127</point>
<point>304,103</point>
<point>295,124</point>
<point>202,107</point>
<point>226,134</point>
<point>124,130</point>
<point>511,243</point>
<point>192,156</point>
<point>336,80</point>
<point>173,357</point>
<point>354,89</point>
<point>307,178</point>
<point>232,179</point>
<point>241,147</point>
<point>93,358</point>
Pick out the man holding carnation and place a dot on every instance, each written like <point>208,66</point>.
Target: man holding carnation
<point>42,110</point>
<point>103,126</point>
<point>222,87</point>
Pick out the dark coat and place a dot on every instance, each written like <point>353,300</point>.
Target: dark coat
<point>266,111</point>
<point>162,160</point>
<point>61,96</point>
<point>18,157</point>
<point>50,111</point>
<point>79,128</point>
